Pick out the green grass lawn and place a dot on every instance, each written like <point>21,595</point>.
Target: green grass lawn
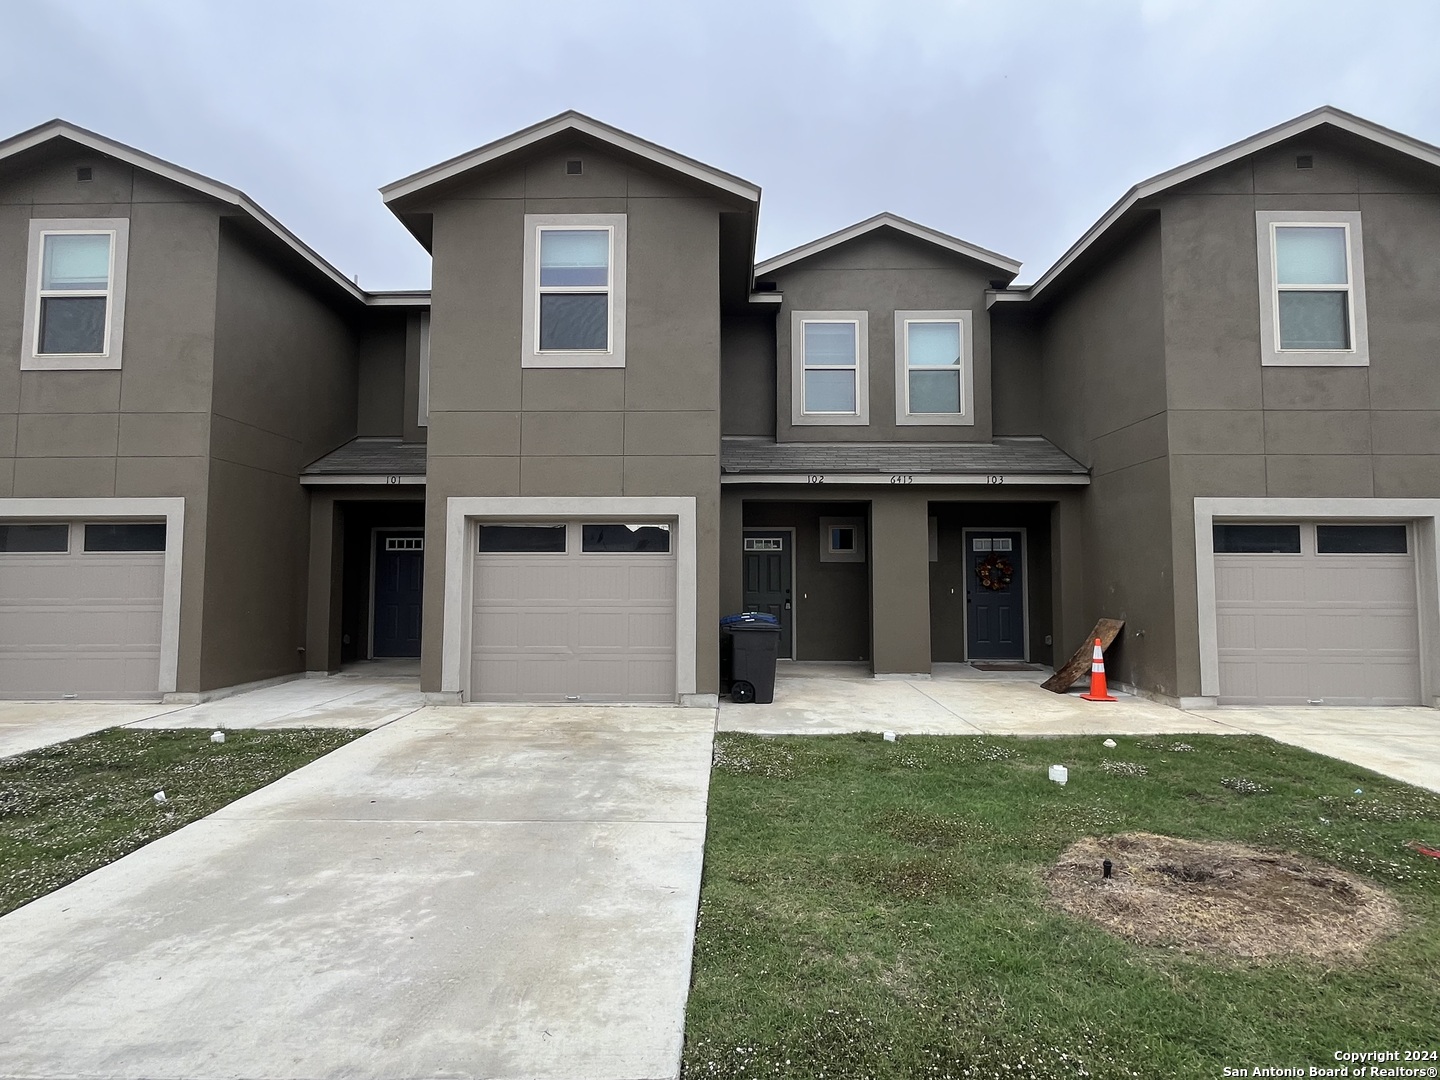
<point>70,808</point>
<point>874,909</point>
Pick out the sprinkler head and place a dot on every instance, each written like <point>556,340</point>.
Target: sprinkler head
<point>1107,866</point>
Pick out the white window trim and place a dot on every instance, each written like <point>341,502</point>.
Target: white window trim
<point>462,516</point>
<point>830,554</point>
<point>861,416</point>
<point>1271,355</point>
<point>171,509</point>
<point>423,420</point>
<point>31,359</point>
<point>903,416</point>
<point>530,354</point>
<point>1423,514</point>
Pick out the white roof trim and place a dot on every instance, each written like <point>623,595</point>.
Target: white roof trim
<point>950,243</point>
<point>1326,114</point>
<point>570,121</point>
<point>398,298</point>
<point>27,140</point>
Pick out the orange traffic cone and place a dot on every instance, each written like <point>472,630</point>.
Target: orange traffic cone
<point>1098,691</point>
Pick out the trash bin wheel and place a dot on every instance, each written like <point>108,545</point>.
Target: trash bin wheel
<point>742,692</point>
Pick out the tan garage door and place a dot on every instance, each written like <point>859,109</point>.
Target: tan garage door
<point>80,606</point>
<point>1317,613</point>
<point>574,611</point>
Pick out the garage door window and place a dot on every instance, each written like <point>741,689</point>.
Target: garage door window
<point>1360,540</point>
<point>1257,539</point>
<point>620,538</point>
<point>522,539</point>
<point>34,539</point>
<point>130,536</point>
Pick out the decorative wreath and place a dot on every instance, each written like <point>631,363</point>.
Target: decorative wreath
<point>995,572</point>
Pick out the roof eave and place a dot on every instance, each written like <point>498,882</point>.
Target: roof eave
<point>224,193</point>
<point>577,122</point>
<point>1326,114</point>
<point>893,221</point>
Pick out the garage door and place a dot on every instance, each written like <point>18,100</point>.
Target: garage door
<point>1317,613</point>
<point>80,609</point>
<point>574,611</point>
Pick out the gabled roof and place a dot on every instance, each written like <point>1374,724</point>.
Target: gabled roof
<point>576,122</point>
<point>899,224</point>
<point>1325,115</point>
<point>60,129</point>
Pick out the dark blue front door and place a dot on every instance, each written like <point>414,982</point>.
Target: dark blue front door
<point>994,596</point>
<point>399,576</point>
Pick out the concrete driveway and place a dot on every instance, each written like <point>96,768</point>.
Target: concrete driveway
<point>472,892</point>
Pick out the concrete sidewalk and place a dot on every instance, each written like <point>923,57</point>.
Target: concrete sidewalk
<point>346,700</point>
<point>474,892</point>
<point>817,699</point>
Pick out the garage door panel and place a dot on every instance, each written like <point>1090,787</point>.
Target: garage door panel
<point>1342,629</point>
<point>588,626</point>
<point>82,623</point>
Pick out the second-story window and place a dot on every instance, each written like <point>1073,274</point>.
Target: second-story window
<point>574,286</point>
<point>575,291</point>
<point>933,377</point>
<point>75,293</point>
<point>1312,289</point>
<point>829,359</point>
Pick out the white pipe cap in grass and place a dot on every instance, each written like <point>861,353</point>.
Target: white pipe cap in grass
<point>889,736</point>
<point>1059,774</point>
<point>1109,744</point>
<point>217,737</point>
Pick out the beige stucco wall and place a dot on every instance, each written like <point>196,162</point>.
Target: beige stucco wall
<point>1236,428</point>
<point>285,393</point>
<point>649,429</point>
<point>141,431</point>
<point>880,273</point>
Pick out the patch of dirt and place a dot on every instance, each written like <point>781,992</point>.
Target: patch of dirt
<point>1213,897</point>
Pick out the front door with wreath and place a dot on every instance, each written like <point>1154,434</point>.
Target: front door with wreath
<point>994,595</point>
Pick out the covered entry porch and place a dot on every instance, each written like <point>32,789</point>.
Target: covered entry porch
<point>898,580</point>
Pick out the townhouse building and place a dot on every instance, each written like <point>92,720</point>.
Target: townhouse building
<point>605,425</point>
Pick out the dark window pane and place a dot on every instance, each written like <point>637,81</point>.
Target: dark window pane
<point>627,538</point>
<point>522,539</point>
<point>34,538</point>
<point>1360,539</point>
<point>1314,320</point>
<point>1257,539</point>
<point>72,324</point>
<point>130,536</point>
<point>574,321</point>
<point>842,538</point>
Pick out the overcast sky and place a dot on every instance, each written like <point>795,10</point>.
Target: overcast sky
<point>1011,124</point>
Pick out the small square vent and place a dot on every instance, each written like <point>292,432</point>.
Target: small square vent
<point>573,167</point>
<point>83,174</point>
<point>1305,161</point>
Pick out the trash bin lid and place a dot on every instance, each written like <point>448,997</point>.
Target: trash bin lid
<point>750,618</point>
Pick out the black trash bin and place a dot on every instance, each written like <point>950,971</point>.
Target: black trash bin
<point>749,644</point>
